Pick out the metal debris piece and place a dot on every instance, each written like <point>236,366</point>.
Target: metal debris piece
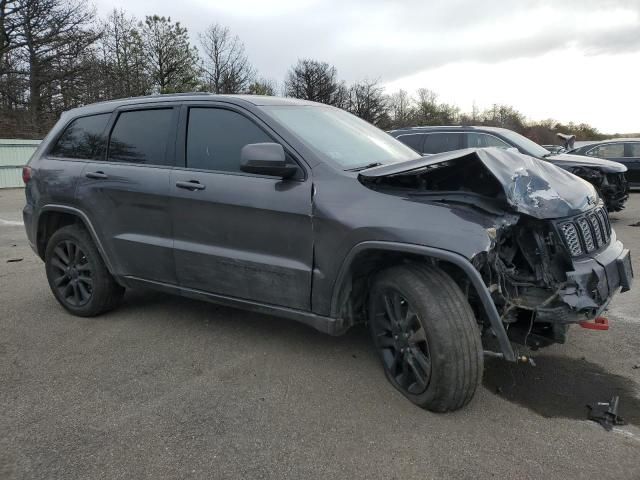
<point>14,260</point>
<point>606,413</point>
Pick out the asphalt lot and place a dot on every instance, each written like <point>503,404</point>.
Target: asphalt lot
<point>166,387</point>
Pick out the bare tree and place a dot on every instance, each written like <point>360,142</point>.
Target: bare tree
<point>367,101</point>
<point>263,86</point>
<point>124,64</point>
<point>504,116</point>
<point>171,60</point>
<point>401,108</point>
<point>428,111</point>
<point>52,38</point>
<point>315,81</point>
<point>9,23</point>
<point>226,66</point>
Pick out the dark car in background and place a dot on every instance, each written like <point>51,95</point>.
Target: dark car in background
<point>622,150</point>
<point>304,211</point>
<point>555,148</point>
<point>607,176</point>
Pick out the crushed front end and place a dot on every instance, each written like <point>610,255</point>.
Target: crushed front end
<point>551,257</point>
<point>544,275</point>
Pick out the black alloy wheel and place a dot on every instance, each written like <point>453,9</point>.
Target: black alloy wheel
<point>402,341</point>
<point>74,277</point>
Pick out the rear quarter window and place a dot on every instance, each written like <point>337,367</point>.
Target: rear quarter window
<point>142,136</point>
<point>84,138</point>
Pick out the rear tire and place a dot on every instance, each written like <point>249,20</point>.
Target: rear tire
<point>426,335</point>
<point>77,275</point>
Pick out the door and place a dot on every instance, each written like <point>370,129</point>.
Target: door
<point>632,161</point>
<point>237,234</point>
<point>126,194</point>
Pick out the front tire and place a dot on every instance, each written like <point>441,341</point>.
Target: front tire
<point>77,275</point>
<point>426,335</point>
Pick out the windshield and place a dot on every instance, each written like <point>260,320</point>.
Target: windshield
<point>528,146</point>
<point>340,137</point>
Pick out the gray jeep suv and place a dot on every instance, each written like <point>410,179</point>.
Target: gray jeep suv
<point>304,211</point>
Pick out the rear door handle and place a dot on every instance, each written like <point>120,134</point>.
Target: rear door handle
<point>191,185</point>
<point>96,175</point>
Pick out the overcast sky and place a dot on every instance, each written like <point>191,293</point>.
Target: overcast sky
<point>564,59</point>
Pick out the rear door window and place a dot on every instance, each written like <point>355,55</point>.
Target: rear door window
<point>633,150</point>
<point>215,137</point>
<point>84,138</point>
<point>608,150</point>
<point>413,140</point>
<point>442,142</point>
<point>142,136</point>
<point>483,140</point>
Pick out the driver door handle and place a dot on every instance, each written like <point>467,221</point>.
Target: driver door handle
<point>97,175</point>
<point>191,185</point>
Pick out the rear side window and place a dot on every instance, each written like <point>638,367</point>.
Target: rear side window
<point>608,150</point>
<point>141,136</point>
<point>413,140</point>
<point>83,138</point>
<point>482,140</point>
<point>215,137</point>
<point>633,150</point>
<point>442,142</point>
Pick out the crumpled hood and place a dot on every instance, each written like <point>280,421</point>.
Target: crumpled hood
<point>569,160</point>
<point>531,186</point>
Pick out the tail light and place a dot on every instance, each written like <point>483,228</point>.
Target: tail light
<point>26,174</point>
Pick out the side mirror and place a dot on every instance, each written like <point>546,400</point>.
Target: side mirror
<point>513,150</point>
<point>266,159</point>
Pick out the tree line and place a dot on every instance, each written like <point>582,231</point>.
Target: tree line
<point>57,54</point>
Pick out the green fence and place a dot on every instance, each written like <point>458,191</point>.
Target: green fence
<point>14,154</point>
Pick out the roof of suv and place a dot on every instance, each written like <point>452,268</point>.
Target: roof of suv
<point>257,100</point>
<point>462,128</point>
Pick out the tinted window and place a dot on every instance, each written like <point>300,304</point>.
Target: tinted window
<point>608,150</point>
<point>141,136</point>
<point>482,140</point>
<point>412,140</point>
<point>216,136</point>
<point>442,142</point>
<point>633,150</point>
<point>83,138</point>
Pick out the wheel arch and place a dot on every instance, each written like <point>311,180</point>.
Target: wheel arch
<point>54,217</point>
<point>368,257</point>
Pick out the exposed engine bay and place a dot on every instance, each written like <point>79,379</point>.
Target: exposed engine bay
<point>547,228</point>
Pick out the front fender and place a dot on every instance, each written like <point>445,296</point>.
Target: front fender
<point>428,252</point>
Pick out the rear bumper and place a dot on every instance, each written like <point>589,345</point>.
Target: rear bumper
<point>28,218</point>
<point>596,279</point>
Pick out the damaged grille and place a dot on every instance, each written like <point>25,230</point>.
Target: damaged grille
<point>586,233</point>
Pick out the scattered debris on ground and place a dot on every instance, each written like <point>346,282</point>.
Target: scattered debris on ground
<point>11,260</point>
<point>637,224</point>
<point>606,413</point>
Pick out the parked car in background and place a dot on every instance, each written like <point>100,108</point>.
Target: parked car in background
<point>302,210</point>
<point>622,150</point>
<point>607,176</point>
<point>555,148</point>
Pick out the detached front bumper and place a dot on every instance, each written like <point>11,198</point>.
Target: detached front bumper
<point>596,279</point>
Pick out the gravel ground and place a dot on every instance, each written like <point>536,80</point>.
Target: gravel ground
<point>166,387</point>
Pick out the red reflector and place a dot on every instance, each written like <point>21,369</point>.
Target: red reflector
<point>26,174</point>
<point>600,323</point>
